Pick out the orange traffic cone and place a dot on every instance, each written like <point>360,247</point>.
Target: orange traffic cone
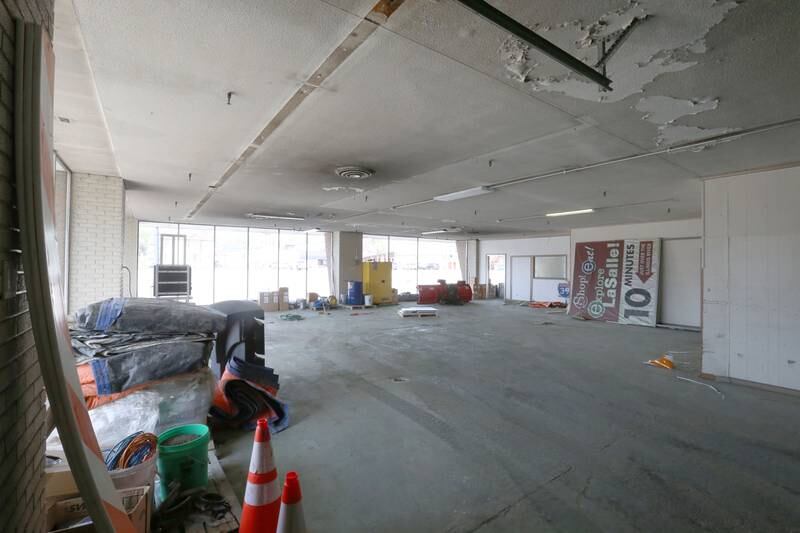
<point>263,492</point>
<point>291,519</point>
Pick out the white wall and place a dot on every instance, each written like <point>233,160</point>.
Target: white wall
<point>96,239</point>
<point>559,245</point>
<point>130,256</point>
<point>688,299</point>
<point>751,298</point>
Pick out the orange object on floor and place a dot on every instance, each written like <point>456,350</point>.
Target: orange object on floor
<point>291,518</point>
<point>664,361</point>
<point>262,494</point>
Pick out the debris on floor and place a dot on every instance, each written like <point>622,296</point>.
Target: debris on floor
<point>665,361</point>
<point>291,317</point>
<point>712,387</point>
<point>418,312</point>
<point>547,305</point>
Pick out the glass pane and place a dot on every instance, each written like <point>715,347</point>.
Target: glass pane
<point>554,267</point>
<point>375,248</point>
<point>292,270</point>
<point>263,261</point>
<point>230,264</point>
<point>438,259</point>
<point>319,249</point>
<point>149,242</point>
<point>200,256</point>
<point>403,254</point>
<point>497,276</point>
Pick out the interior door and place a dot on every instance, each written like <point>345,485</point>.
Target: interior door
<point>521,276</point>
<point>680,294</point>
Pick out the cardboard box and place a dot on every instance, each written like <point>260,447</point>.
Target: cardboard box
<point>283,298</point>
<point>136,502</point>
<point>269,301</point>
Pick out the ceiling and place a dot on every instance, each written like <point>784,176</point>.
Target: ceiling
<point>433,98</point>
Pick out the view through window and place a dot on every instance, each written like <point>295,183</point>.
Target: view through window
<point>236,262</point>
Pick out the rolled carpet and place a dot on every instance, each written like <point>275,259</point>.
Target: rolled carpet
<point>247,392</point>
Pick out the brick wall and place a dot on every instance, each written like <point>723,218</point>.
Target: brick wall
<point>97,219</point>
<point>21,386</point>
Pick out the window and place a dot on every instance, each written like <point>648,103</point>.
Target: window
<point>263,272</point>
<point>292,266</point>
<point>320,248</point>
<point>438,259</point>
<point>375,248</point>
<point>149,243</point>
<point>550,267</point>
<point>230,264</point>
<point>200,256</point>
<point>403,254</point>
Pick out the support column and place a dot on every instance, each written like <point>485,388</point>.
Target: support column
<point>347,254</point>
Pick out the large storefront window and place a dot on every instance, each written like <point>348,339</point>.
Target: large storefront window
<point>149,252</point>
<point>438,259</point>
<point>319,250</point>
<point>403,254</point>
<point>230,263</point>
<point>263,272</point>
<point>292,266</point>
<point>200,256</point>
<point>375,247</point>
<point>237,263</point>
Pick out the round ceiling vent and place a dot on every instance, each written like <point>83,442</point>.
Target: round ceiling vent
<point>354,173</point>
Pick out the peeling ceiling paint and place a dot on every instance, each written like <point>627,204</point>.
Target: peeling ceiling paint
<point>664,111</point>
<point>657,46</point>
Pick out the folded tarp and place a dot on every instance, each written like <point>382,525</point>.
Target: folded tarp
<point>148,315</point>
<point>247,392</point>
<point>150,362</point>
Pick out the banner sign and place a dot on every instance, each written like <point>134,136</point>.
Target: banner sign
<point>616,281</point>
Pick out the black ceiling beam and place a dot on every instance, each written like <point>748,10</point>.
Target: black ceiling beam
<point>507,23</point>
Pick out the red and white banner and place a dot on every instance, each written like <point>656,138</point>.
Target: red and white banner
<point>616,281</point>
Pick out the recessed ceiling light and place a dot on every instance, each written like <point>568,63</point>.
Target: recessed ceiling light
<point>261,216</point>
<point>354,172</point>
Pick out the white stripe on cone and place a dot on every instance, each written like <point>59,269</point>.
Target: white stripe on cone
<point>261,459</point>
<point>262,494</point>
<point>291,519</point>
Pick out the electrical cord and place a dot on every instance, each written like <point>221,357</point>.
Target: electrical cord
<point>130,287</point>
<point>132,450</point>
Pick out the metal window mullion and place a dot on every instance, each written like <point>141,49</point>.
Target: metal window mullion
<point>247,267</point>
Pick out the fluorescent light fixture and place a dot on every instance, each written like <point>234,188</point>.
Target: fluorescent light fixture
<point>567,213</point>
<point>261,216</point>
<point>438,231</point>
<point>466,193</point>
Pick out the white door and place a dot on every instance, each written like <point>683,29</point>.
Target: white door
<point>521,276</point>
<point>680,296</point>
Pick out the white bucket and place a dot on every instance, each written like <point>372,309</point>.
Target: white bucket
<point>367,299</point>
<point>136,476</point>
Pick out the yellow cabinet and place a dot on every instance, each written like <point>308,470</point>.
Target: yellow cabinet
<point>377,278</point>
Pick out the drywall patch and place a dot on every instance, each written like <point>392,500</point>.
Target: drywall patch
<point>664,111</point>
<point>669,40</point>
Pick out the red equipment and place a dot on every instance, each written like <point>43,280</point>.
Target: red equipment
<point>458,293</point>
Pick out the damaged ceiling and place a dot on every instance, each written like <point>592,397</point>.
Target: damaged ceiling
<point>434,99</point>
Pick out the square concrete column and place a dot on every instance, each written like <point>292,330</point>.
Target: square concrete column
<point>346,260</point>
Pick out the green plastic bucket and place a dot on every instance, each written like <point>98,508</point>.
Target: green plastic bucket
<point>186,461</point>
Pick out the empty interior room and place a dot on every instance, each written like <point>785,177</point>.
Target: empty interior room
<point>285,266</point>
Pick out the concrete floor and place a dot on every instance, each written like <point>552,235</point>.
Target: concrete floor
<point>502,418</point>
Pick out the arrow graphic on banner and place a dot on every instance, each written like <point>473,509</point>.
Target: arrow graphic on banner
<point>645,271</point>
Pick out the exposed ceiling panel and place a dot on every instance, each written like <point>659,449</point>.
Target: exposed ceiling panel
<point>164,70</point>
<point>435,101</point>
<point>394,107</point>
<point>81,137</point>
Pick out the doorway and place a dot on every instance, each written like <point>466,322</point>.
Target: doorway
<point>496,275</point>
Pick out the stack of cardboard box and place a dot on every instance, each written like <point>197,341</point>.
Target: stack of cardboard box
<point>274,300</point>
